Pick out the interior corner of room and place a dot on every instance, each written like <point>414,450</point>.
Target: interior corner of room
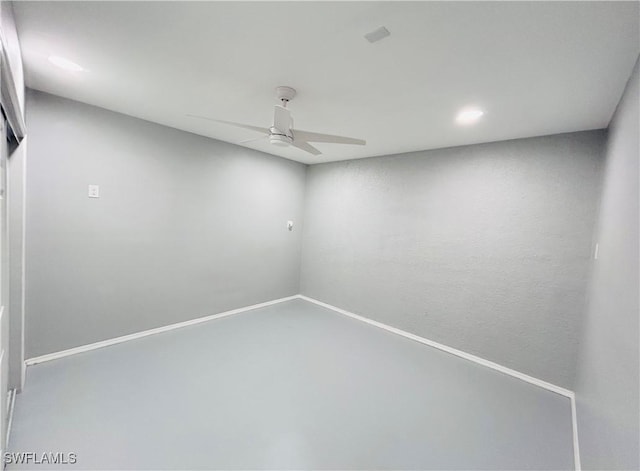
<point>247,247</point>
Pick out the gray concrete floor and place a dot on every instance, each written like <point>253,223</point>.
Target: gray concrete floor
<point>292,385</point>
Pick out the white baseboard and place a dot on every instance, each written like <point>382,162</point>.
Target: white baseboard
<point>453,351</point>
<point>145,333</point>
<point>11,405</point>
<point>574,425</point>
<point>476,359</point>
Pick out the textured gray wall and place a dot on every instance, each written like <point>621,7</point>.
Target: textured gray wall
<point>185,226</point>
<point>607,385</point>
<point>484,248</point>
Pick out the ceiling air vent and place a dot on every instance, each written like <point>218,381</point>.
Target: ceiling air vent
<point>377,34</point>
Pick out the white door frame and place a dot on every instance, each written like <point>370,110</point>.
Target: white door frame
<point>15,228</point>
<point>9,94</point>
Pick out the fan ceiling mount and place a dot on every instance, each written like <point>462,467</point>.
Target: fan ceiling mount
<point>281,133</point>
<point>285,93</point>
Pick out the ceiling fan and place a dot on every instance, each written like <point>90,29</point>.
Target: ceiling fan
<point>281,133</point>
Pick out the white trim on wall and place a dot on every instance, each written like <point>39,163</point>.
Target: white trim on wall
<point>445,348</point>
<point>476,359</point>
<point>453,351</point>
<point>574,424</point>
<point>10,408</point>
<point>145,333</point>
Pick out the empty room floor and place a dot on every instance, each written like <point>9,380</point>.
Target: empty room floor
<point>292,385</point>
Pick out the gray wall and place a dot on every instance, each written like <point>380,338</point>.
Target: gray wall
<point>185,226</point>
<point>484,248</point>
<point>607,386</point>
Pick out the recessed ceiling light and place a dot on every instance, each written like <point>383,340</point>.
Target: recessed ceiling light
<point>469,116</point>
<point>65,64</point>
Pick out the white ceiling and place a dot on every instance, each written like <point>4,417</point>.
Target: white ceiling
<point>535,68</point>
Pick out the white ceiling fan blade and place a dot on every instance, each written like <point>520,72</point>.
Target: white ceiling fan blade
<point>282,119</point>
<point>305,146</point>
<point>328,138</point>
<point>231,123</point>
<point>254,139</point>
